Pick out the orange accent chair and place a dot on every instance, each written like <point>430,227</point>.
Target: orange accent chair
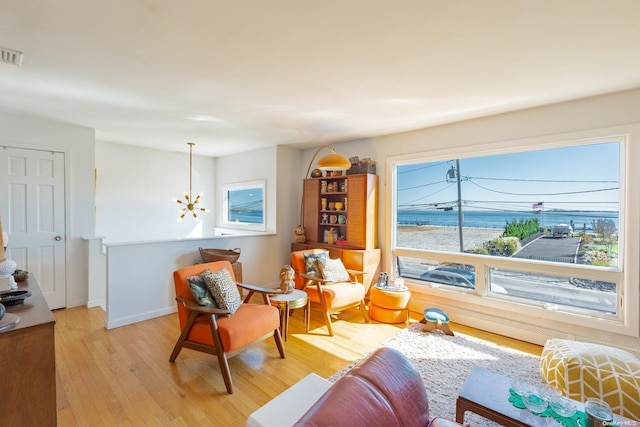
<point>325,296</point>
<point>210,330</point>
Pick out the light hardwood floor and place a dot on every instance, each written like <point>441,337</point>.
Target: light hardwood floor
<point>123,377</point>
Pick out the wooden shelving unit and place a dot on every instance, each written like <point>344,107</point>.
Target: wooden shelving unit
<point>345,206</point>
<point>356,242</point>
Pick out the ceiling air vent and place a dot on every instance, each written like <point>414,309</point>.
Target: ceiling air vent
<point>11,56</point>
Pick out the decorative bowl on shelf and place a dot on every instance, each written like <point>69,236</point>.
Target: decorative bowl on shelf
<point>14,297</point>
<point>20,275</point>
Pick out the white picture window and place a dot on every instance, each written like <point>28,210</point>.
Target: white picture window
<point>244,206</point>
<point>539,227</point>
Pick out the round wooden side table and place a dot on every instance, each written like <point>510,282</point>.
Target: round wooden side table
<point>389,305</point>
<point>288,302</point>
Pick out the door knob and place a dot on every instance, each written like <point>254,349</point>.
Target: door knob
<point>58,238</point>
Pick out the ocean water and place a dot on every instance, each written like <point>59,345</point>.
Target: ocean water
<point>498,219</point>
<point>250,217</point>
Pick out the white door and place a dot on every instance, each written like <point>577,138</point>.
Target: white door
<point>32,204</point>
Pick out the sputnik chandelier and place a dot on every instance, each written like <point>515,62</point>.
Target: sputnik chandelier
<point>189,204</point>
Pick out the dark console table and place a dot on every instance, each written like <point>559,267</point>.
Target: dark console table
<point>28,363</point>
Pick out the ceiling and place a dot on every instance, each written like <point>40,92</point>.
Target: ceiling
<point>239,75</point>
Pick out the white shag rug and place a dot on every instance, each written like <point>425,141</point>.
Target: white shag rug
<point>445,363</point>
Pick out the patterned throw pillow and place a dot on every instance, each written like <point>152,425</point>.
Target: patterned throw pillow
<point>333,270</point>
<point>224,290</point>
<point>200,291</point>
<point>311,263</point>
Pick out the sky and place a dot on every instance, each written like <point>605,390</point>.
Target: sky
<point>583,177</point>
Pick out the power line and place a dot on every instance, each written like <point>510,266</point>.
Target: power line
<point>542,180</point>
<point>429,166</point>
<point>422,185</point>
<point>544,194</point>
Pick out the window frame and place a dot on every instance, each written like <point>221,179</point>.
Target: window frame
<point>226,188</point>
<point>501,306</point>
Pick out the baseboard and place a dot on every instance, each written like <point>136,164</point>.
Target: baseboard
<point>100,302</point>
<point>116,323</point>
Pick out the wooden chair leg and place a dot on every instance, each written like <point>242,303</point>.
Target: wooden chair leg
<point>222,355</point>
<point>363,310</point>
<point>327,320</point>
<point>278,337</point>
<point>183,336</point>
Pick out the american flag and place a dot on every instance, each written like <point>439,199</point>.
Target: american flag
<point>538,205</point>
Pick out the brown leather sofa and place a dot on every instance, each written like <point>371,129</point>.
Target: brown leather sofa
<point>384,389</point>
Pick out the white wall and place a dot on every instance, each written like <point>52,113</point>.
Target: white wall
<point>78,145</point>
<point>257,165</point>
<point>612,110</point>
<point>139,274</point>
<point>135,188</point>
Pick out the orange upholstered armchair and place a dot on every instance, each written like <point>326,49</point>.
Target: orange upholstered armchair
<point>221,331</point>
<point>326,294</point>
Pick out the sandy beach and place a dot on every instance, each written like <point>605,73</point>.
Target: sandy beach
<point>445,238</point>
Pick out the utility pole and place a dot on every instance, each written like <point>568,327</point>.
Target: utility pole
<point>455,173</point>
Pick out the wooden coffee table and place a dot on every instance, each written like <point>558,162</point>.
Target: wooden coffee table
<point>487,394</point>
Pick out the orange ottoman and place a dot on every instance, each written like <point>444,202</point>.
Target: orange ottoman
<point>389,305</point>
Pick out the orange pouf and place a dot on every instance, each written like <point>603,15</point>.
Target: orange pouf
<point>388,305</point>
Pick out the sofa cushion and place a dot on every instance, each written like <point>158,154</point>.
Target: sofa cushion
<point>224,290</point>
<point>351,401</point>
<point>333,270</point>
<point>395,376</point>
<point>200,290</point>
<point>312,261</point>
<point>337,294</point>
<point>384,389</point>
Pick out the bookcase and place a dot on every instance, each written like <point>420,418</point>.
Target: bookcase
<point>347,206</point>
<point>342,211</point>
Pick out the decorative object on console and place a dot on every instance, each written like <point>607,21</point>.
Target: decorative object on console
<point>20,275</point>
<point>299,236</point>
<point>287,284</point>
<point>189,204</point>
<point>7,266</point>
<point>358,166</point>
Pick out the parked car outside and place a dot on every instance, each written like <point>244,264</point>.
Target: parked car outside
<point>456,277</point>
<point>437,275</point>
<point>562,230</point>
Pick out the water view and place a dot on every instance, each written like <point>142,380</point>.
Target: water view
<point>497,219</point>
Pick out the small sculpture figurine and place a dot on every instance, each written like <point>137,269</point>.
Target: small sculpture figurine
<point>325,218</point>
<point>331,237</point>
<point>299,234</point>
<point>287,285</point>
